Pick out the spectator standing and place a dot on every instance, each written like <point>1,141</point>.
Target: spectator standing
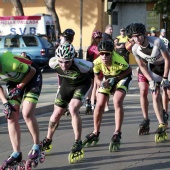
<point>107,35</point>
<point>120,46</point>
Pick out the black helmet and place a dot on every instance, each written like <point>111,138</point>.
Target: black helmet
<point>105,45</point>
<point>68,34</point>
<point>136,28</point>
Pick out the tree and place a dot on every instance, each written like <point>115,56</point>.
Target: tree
<point>18,7</point>
<point>162,7</point>
<point>50,4</point>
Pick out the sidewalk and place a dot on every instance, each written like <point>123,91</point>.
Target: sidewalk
<point>46,100</point>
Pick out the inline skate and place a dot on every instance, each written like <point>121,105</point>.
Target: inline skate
<point>161,134</point>
<point>144,127</point>
<point>35,156</point>
<point>46,144</point>
<point>165,118</point>
<point>91,139</point>
<point>88,107</point>
<point>76,153</point>
<point>115,142</point>
<point>12,163</point>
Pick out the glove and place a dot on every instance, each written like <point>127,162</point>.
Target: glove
<point>112,81</point>
<point>14,93</point>
<point>8,108</point>
<point>152,85</point>
<point>165,83</point>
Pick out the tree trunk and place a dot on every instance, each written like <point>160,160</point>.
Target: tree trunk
<point>50,4</point>
<point>18,7</point>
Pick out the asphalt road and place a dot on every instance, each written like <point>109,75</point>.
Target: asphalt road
<point>136,153</point>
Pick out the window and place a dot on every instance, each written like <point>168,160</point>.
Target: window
<point>30,41</point>
<point>114,18</point>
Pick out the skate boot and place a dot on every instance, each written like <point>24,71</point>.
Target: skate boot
<point>115,142</point>
<point>161,134</point>
<point>144,127</point>
<point>91,139</point>
<point>12,163</point>
<point>88,107</point>
<point>46,144</point>
<point>35,156</point>
<point>165,118</point>
<point>76,153</point>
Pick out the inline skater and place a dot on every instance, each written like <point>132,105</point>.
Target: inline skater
<point>66,37</point>
<point>92,54</point>
<point>117,79</point>
<point>73,90</point>
<point>24,81</point>
<point>152,51</point>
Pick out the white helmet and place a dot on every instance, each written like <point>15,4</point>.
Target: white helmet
<point>65,51</point>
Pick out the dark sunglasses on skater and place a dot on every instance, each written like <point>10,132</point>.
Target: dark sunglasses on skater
<point>105,53</point>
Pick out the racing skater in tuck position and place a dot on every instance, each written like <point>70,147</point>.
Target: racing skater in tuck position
<point>24,82</point>
<point>74,88</point>
<point>117,79</point>
<point>154,62</point>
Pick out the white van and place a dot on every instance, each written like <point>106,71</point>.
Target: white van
<point>37,24</point>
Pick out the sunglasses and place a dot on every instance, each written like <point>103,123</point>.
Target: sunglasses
<point>65,62</point>
<point>104,53</point>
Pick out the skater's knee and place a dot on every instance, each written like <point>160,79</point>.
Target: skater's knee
<point>53,125</point>
<point>143,93</point>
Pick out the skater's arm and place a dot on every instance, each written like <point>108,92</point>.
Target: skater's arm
<point>97,79</point>
<point>143,68</point>
<point>2,95</point>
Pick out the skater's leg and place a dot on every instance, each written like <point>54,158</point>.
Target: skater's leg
<point>118,98</point>
<point>143,86</point>
<point>98,111</point>
<point>165,98</point>
<point>28,112</point>
<point>54,120</point>
<point>74,108</point>
<point>157,105</point>
<point>14,130</point>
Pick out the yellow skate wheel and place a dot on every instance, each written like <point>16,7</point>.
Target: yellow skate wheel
<point>156,138</point>
<point>110,147</point>
<point>48,150</point>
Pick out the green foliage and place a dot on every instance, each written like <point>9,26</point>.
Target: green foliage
<point>162,7</point>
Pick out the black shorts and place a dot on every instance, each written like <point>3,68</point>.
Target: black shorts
<point>68,92</point>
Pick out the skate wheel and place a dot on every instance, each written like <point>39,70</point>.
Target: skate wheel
<point>42,158</point>
<point>21,165</point>
<point>110,147</point>
<point>114,147</point>
<point>28,165</point>
<point>34,163</point>
<point>74,157</point>
<point>49,149</point>
<point>139,131</point>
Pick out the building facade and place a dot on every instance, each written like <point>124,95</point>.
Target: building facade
<point>96,14</point>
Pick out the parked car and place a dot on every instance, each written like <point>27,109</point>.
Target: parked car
<point>36,48</point>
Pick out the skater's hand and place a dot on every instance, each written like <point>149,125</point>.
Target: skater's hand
<point>104,84</point>
<point>14,93</point>
<point>112,80</point>
<point>152,85</point>
<point>109,82</point>
<point>8,108</point>
<point>165,83</point>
